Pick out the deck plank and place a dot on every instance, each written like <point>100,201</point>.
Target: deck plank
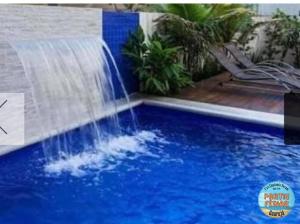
<point>253,96</point>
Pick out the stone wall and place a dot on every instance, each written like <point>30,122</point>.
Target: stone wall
<point>19,22</point>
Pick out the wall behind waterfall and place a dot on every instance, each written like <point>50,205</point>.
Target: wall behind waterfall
<point>23,22</point>
<point>117,27</point>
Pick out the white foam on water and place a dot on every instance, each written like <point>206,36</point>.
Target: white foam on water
<point>106,156</point>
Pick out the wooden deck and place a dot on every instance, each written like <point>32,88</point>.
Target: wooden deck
<point>260,97</point>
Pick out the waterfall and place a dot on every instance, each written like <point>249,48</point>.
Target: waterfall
<point>72,86</point>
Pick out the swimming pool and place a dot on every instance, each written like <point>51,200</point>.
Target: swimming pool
<point>180,168</point>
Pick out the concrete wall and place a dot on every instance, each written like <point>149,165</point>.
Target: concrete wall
<point>269,9</point>
<point>258,44</point>
<point>147,22</point>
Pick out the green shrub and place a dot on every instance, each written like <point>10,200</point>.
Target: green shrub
<point>197,27</point>
<point>156,64</point>
<point>283,35</point>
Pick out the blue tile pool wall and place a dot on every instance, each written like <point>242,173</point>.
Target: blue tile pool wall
<point>116,29</point>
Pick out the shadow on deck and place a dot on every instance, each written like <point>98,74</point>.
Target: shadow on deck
<point>253,96</point>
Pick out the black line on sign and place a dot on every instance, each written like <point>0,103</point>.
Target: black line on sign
<point>3,130</point>
<point>3,103</point>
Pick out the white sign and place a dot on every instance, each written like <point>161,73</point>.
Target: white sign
<point>12,119</point>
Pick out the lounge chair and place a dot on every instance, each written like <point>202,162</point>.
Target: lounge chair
<point>255,74</point>
<point>266,65</point>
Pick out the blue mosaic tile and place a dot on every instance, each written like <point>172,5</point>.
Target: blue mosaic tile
<point>116,29</point>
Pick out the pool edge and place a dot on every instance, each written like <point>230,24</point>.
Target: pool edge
<point>121,106</point>
<point>233,113</point>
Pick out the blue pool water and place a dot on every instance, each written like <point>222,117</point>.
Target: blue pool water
<point>182,168</point>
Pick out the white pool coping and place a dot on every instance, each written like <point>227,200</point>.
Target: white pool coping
<point>233,113</point>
